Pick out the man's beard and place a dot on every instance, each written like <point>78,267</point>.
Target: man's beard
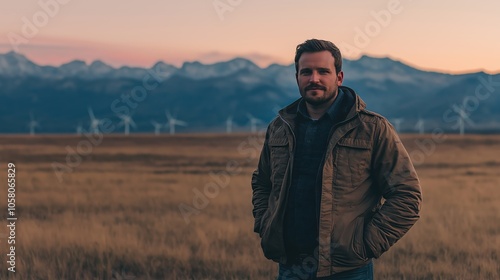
<point>327,96</point>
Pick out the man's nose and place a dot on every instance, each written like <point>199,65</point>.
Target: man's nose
<point>314,78</point>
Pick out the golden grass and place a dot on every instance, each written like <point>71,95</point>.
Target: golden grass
<point>116,215</point>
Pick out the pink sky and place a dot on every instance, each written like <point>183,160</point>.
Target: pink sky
<point>450,36</point>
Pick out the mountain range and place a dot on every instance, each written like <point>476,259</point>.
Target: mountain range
<point>206,95</point>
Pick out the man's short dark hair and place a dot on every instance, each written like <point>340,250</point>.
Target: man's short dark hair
<point>315,45</point>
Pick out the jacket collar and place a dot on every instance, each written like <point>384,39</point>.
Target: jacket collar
<point>333,111</point>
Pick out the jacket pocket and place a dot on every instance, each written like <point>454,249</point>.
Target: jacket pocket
<point>352,158</point>
<point>347,249</point>
<point>358,241</point>
<point>270,237</point>
<point>264,222</point>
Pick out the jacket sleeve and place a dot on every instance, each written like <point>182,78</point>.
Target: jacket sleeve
<point>397,181</point>
<point>261,185</point>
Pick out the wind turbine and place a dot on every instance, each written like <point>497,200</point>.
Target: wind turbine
<point>462,118</point>
<point>94,122</point>
<point>229,124</point>
<point>157,126</point>
<point>253,123</point>
<point>126,121</point>
<point>397,123</point>
<point>420,126</point>
<point>172,122</point>
<point>461,125</point>
<point>79,129</point>
<point>32,124</point>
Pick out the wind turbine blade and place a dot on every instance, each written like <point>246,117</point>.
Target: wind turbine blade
<point>178,122</point>
<point>462,114</point>
<point>91,113</point>
<point>167,113</point>
<point>466,118</point>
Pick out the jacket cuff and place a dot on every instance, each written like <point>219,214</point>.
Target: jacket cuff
<point>256,226</point>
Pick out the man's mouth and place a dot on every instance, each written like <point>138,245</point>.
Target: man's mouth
<point>315,88</point>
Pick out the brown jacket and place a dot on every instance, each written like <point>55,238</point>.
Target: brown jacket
<point>370,194</point>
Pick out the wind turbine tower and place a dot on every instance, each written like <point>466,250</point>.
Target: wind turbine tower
<point>172,122</point>
<point>397,123</point>
<point>157,127</point>
<point>79,129</point>
<point>32,124</point>
<point>229,124</point>
<point>462,118</point>
<point>94,122</point>
<point>420,126</point>
<point>127,121</point>
<point>253,123</point>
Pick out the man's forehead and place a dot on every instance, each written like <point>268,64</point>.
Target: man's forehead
<point>323,59</point>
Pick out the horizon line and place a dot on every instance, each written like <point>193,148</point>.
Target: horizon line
<point>423,69</point>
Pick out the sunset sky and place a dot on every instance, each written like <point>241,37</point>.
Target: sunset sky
<point>450,36</point>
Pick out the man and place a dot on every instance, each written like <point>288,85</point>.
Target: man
<point>334,186</point>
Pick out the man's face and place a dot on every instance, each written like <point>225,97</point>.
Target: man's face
<point>318,83</point>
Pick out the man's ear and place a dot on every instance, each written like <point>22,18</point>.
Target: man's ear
<point>340,78</point>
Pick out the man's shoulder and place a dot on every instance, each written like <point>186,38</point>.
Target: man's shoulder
<point>376,122</point>
<point>275,125</point>
<point>276,121</point>
<point>380,126</point>
<point>370,116</point>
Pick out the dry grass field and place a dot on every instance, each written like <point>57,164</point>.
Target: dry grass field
<point>115,214</point>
